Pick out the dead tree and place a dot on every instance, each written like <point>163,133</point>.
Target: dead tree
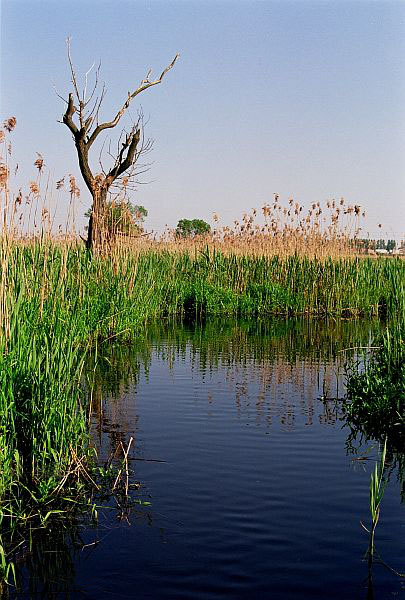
<point>85,109</point>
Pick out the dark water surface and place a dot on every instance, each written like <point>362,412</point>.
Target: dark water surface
<point>257,495</point>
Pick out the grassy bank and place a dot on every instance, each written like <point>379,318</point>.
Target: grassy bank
<point>116,293</point>
<point>57,301</point>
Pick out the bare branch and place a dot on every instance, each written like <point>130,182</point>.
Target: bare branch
<point>100,158</point>
<point>97,107</point>
<point>59,95</point>
<point>123,164</point>
<point>95,85</point>
<point>68,116</point>
<point>85,83</point>
<point>72,71</point>
<point>145,84</point>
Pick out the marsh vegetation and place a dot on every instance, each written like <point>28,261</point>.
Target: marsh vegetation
<point>60,305</point>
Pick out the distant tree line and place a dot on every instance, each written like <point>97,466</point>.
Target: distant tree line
<point>381,244</point>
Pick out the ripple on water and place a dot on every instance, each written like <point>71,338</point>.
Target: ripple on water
<point>257,497</point>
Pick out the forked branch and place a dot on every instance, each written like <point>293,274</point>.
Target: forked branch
<point>144,85</point>
<point>68,116</point>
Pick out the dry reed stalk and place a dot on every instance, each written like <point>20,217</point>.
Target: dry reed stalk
<point>283,233</point>
<point>125,459</point>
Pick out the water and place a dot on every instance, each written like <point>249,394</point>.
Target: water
<point>253,492</point>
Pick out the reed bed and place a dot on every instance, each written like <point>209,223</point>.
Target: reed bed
<point>57,300</point>
<point>279,229</point>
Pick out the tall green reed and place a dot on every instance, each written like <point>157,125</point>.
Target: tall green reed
<point>377,489</point>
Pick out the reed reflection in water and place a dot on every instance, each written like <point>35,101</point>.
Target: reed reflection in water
<point>239,447</point>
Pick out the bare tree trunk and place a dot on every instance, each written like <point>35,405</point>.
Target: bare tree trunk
<point>97,226</point>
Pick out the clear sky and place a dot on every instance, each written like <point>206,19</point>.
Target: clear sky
<point>304,98</point>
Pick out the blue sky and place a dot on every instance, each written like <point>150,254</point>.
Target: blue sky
<point>306,99</point>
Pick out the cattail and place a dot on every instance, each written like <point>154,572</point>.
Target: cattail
<point>2,136</point>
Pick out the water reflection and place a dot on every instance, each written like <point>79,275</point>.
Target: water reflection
<point>45,564</point>
<point>238,441</point>
<point>266,365</point>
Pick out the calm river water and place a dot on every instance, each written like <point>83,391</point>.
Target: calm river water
<point>254,490</point>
